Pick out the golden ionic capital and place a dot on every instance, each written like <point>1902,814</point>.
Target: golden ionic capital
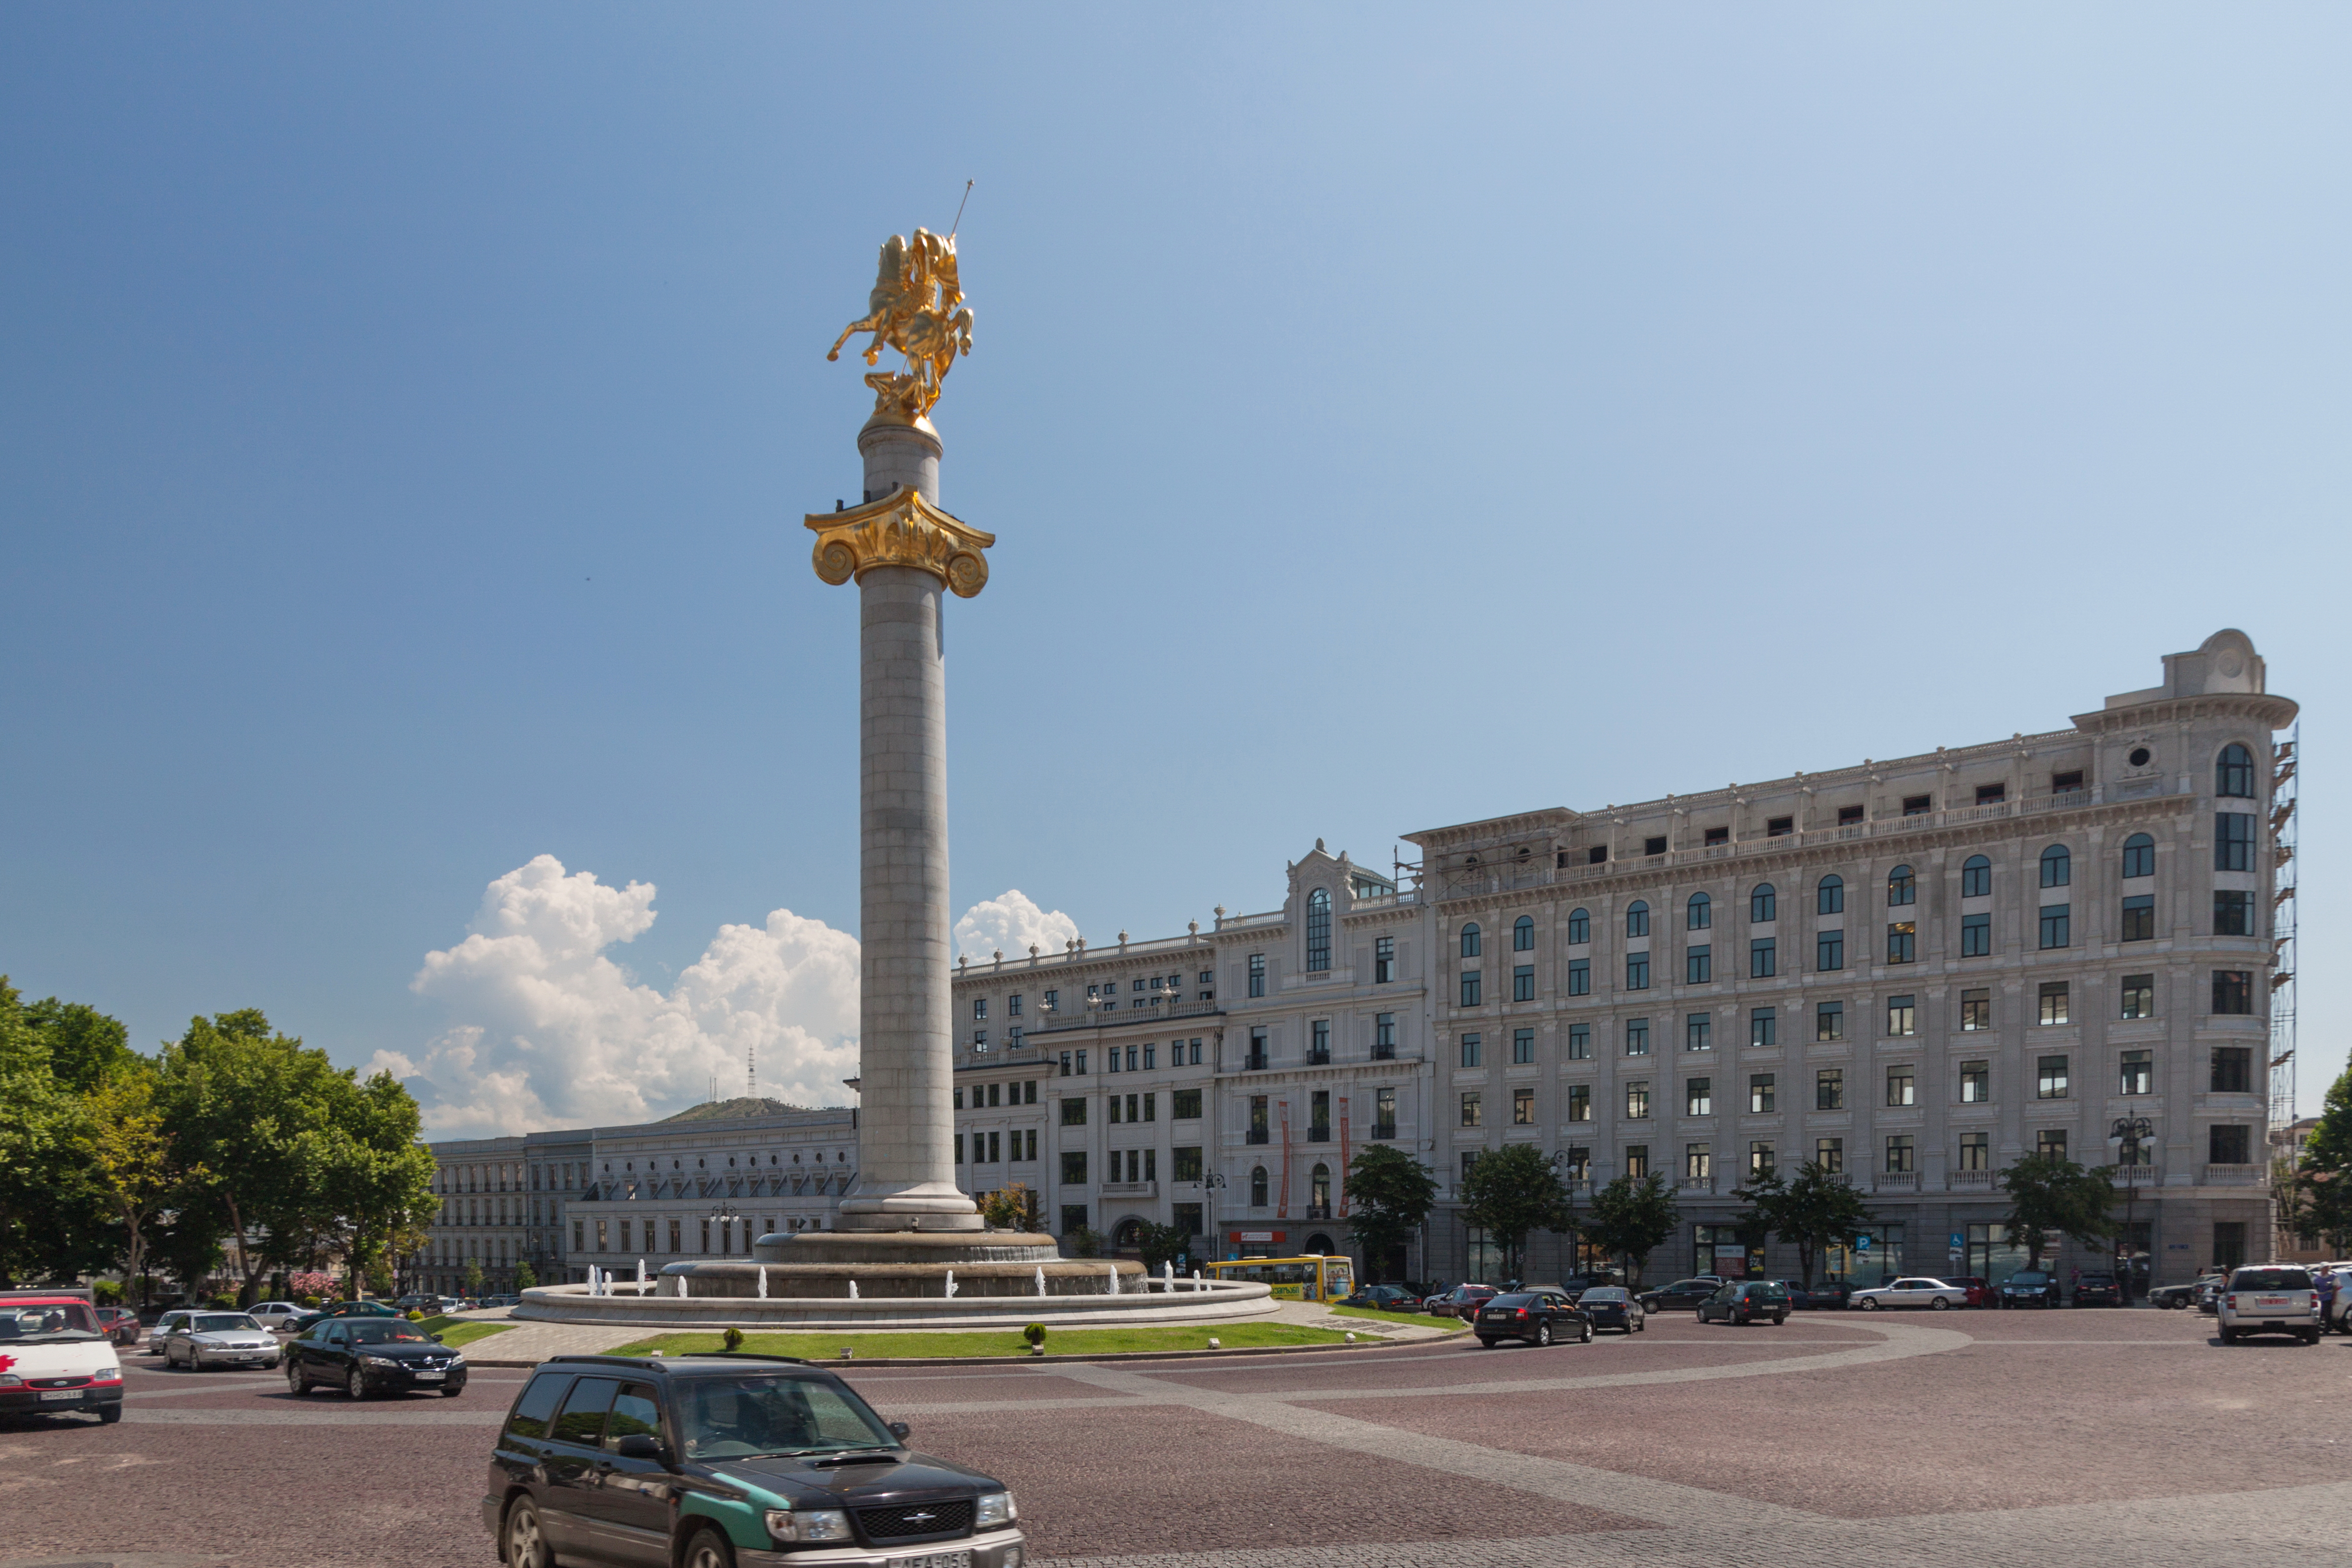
<point>902,529</point>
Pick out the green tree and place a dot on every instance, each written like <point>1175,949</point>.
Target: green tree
<point>1161,1244</point>
<point>473,1278</point>
<point>1511,1191</point>
<point>53,1222</point>
<point>1390,1193</point>
<point>1631,1218</point>
<point>2324,1179</point>
<point>2050,1192</point>
<point>1818,1210</point>
<point>526,1277</point>
<point>1012,1207</point>
<point>129,1150</point>
<point>86,1047</point>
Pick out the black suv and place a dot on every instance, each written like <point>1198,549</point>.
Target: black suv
<point>708,1461</point>
<point>2030,1288</point>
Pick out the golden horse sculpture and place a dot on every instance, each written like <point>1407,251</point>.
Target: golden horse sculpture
<point>917,308</point>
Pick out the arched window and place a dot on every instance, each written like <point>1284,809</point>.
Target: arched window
<point>1319,1244</point>
<point>1976,878</point>
<point>1257,1186</point>
<point>1129,1236</point>
<point>2234,773</point>
<point>1318,931</point>
<point>1763,904</point>
<point>1319,1197</point>
<point>1829,898</point>
<point>1579,925</point>
<point>2139,856</point>
<point>1699,913</point>
<point>1637,918</point>
<point>2057,866</point>
<point>1902,886</point>
<point>1470,940</point>
<point>1523,934</point>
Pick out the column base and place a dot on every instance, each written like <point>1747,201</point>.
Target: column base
<point>931,1206</point>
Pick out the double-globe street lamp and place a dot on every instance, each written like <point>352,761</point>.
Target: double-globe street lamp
<point>2124,1141</point>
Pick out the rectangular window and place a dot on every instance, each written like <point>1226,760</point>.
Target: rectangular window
<point>1470,988</point>
<point>1188,1218</point>
<point>1898,1153</point>
<point>1523,983</point>
<point>2054,1002</point>
<point>1384,1123</point>
<point>1759,1157</point>
<point>2228,1143</point>
<point>1653,845</point>
<point>2050,1078</point>
<point>1699,1097</point>
<point>1318,1046</point>
<point>1383,960</point>
<point>1579,1042</point>
<point>1698,1032</point>
<point>1184,1104</point>
<point>2136,1074</point>
<point>1012,1005</point>
<point>1829,1090</point>
<point>1829,1153</point>
<point>1074,1218</point>
<point>1257,974</point>
<point>1523,1107</point>
<point>1471,1111</point>
<point>1261,1128</point>
<point>2233,1072</point>
<point>1074,1166</point>
<point>1849,814</point>
<point>1579,977</point>
<point>1759,1094</point>
<point>1052,1002</point>
<point>1975,1082</point>
<point>1523,1046</point>
<point>1917,805</point>
<point>1976,1150</point>
<point>1698,966</point>
<point>1637,972</point>
<point>2233,841</point>
<point>2056,923</point>
<point>1256,1059</point>
<point>958,1148</point>
<point>1976,1010</point>
<point>1780,826</point>
<point>1976,936</point>
<point>1902,1087</point>
<point>1112,1104</point>
<point>1150,1107</point>
<point>1991,794</point>
<point>1470,1050</point>
<point>1637,1160</point>
<point>1829,951</point>
<point>1318,1116</point>
<point>1719,836</point>
<point>1763,958</point>
<point>1074,1111</point>
<point>2051,1141</point>
<point>1637,1099</point>
<point>2233,991</point>
<point>2140,919</point>
<point>1580,1102</point>
<point>1112,1057</point>
<point>2139,997</point>
<point>979,1040</point>
<point>979,1006</point>
<point>1902,1015</point>
<point>1903,942</point>
<point>1637,1036</point>
<point>1082,1064</point>
<point>1829,1021</point>
<point>2066,782</point>
<point>1384,1036</point>
<point>2234,913</point>
<point>1764,1026</point>
<point>1699,1163</point>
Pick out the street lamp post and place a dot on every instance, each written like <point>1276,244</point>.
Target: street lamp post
<point>1211,1181</point>
<point>2123,1140</point>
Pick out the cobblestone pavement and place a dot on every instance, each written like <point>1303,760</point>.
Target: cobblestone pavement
<point>1928,1438</point>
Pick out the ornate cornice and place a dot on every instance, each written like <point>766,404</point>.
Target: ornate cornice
<point>2278,713</point>
<point>902,529</point>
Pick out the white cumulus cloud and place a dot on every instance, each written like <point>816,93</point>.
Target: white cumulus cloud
<point>1010,924</point>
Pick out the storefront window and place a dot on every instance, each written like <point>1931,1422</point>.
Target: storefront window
<point>1717,1249</point>
<point>1875,1257</point>
<point>1483,1264</point>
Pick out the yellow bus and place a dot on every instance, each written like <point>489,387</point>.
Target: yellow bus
<point>1294,1278</point>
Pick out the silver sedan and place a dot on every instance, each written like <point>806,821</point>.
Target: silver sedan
<point>218,1338</point>
<point>1914,1292</point>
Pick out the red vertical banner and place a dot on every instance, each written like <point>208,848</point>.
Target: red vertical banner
<point>1343,1157</point>
<point>1282,1199</point>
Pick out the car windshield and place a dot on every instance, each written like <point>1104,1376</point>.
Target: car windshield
<point>2098,1279</point>
<point>2029,1276</point>
<point>2271,1279</point>
<point>1605,1293</point>
<point>1516,1298</point>
<point>62,1320</point>
<point>389,1333</point>
<point>729,1417</point>
<point>221,1324</point>
<point>1765,1289</point>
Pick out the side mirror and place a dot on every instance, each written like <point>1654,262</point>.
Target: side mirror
<point>900,1430</point>
<point>639,1446</point>
<point>437,1339</point>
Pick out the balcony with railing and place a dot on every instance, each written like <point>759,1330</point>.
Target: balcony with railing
<point>2236,1175</point>
<point>1146,1011</point>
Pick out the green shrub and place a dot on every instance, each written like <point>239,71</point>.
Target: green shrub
<point>311,1302</point>
<point>108,1292</point>
<point>224,1303</point>
<point>1034,1334</point>
<point>732,1339</point>
<point>414,1316</point>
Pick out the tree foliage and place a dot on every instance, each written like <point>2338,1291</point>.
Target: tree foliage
<point>1390,1193</point>
<point>2322,1183</point>
<point>2050,1192</point>
<point>1818,1210</point>
<point>1630,1218</point>
<point>1511,1191</point>
<point>54,1222</point>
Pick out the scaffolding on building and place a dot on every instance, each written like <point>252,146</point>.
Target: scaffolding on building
<point>2285,763</point>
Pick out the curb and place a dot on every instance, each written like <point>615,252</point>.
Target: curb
<point>1066,1360</point>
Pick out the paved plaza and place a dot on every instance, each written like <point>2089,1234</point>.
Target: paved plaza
<point>1966,1437</point>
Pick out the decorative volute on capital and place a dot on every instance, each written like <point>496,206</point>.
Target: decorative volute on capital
<point>917,308</point>
<point>902,529</point>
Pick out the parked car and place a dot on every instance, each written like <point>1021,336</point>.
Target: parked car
<point>2270,1301</point>
<point>1747,1301</point>
<point>2031,1288</point>
<point>366,1357</point>
<point>1461,1301</point>
<point>119,1324</point>
<point>206,1339</point>
<point>2179,1297</point>
<point>1979,1287</point>
<point>418,1303</point>
<point>708,1460</point>
<point>2207,1297</point>
<point>1576,1285</point>
<point>1612,1307</point>
<point>1386,1298</point>
<point>501,1300</point>
<point>1829,1295</point>
<point>1540,1315</point>
<point>58,1358</point>
<point>1915,1290</point>
<point>1681,1293</point>
<point>275,1314</point>
<point>302,1320</point>
<point>165,1324</point>
<point>2098,1291</point>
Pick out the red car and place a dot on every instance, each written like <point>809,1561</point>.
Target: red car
<point>1979,1288</point>
<point>121,1323</point>
<point>1462,1301</point>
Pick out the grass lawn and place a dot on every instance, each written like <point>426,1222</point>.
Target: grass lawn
<point>456,1331</point>
<point>994,1341</point>
<point>1451,1325</point>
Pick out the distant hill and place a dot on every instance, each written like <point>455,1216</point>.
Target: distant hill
<point>727,1109</point>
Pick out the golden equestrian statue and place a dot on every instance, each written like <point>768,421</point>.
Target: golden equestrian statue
<point>917,308</point>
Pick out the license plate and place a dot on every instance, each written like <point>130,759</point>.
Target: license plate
<point>2273,1304</point>
<point>934,1560</point>
<point>61,1394</point>
<point>431,1376</point>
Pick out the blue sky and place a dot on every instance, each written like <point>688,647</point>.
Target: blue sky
<point>1387,417</point>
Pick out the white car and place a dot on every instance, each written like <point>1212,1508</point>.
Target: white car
<point>275,1315</point>
<point>55,1356</point>
<point>175,1318</point>
<point>2272,1300</point>
<point>219,1339</point>
<point>1912,1292</point>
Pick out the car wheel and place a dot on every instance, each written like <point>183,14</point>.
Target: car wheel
<point>296,1384</point>
<point>1943,1304</point>
<point>452,1393</point>
<point>1779,1319</point>
<point>1485,1341</point>
<point>1543,1336</point>
<point>2229,1336</point>
<point>526,1542</point>
<point>709,1550</point>
<point>1870,1303</point>
<point>107,1414</point>
<point>356,1385</point>
<point>1586,1337</point>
